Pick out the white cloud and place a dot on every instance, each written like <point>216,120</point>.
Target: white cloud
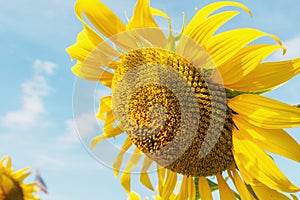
<point>44,67</point>
<point>293,49</point>
<point>32,100</point>
<point>85,125</point>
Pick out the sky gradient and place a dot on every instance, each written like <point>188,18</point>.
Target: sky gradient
<point>36,116</point>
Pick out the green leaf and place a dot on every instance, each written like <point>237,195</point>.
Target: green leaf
<point>234,93</point>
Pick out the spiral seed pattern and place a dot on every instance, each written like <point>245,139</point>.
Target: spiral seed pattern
<point>156,111</point>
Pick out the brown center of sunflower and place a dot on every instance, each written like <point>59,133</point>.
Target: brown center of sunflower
<point>9,188</point>
<point>153,118</point>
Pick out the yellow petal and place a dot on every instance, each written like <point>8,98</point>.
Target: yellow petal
<point>266,193</point>
<point>125,181</point>
<point>145,180</point>
<point>276,141</point>
<point>82,48</point>
<point>205,30</point>
<point>254,164</point>
<point>161,171</point>
<point>144,176</point>
<point>244,62</point>
<point>191,188</point>
<point>101,17</point>
<point>87,41</point>
<point>190,48</point>
<point>134,160</point>
<point>294,197</point>
<point>118,161</point>
<point>109,134</point>
<point>225,45</point>
<point>268,75</point>
<point>159,13</point>
<point>6,159</point>
<point>169,184</point>
<point>265,112</point>
<point>225,192</point>
<point>105,107</point>
<point>183,195</point>
<point>125,177</point>
<point>142,16</point>
<point>92,73</point>
<point>208,10</point>
<point>22,174</point>
<point>204,189</point>
<point>240,186</point>
<point>134,196</point>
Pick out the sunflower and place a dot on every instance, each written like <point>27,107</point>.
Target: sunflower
<point>190,103</point>
<point>12,186</point>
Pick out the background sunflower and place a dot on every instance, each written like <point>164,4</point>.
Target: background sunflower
<point>12,185</point>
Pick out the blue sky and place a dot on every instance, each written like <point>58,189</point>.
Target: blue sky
<point>36,116</point>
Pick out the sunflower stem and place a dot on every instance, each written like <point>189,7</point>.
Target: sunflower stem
<point>196,180</point>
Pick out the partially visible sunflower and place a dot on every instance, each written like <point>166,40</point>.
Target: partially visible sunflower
<point>226,73</point>
<point>12,186</point>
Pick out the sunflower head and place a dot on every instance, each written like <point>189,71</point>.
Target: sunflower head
<point>12,186</point>
<point>190,102</point>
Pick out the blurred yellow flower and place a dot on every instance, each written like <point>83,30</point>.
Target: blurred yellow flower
<point>235,126</point>
<point>12,186</point>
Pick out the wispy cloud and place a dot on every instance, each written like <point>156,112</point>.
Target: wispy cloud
<point>32,98</point>
<point>85,126</point>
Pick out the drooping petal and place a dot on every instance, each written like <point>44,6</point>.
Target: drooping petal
<point>244,62</point>
<point>268,75</point>
<point>125,180</point>
<point>126,175</point>
<point>119,159</point>
<point>191,188</point>
<point>204,189</point>
<point>161,171</point>
<point>224,190</point>
<point>169,184</point>
<point>101,17</point>
<point>276,141</point>
<point>104,107</point>
<point>134,196</point>
<point>264,192</point>
<point>254,164</point>
<point>144,176</point>
<point>265,112</point>
<point>92,73</point>
<point>183,195</point>
<point>223,46</point>
<point>110,133</point>
<point>109,130</point>
<point>240,185</point>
